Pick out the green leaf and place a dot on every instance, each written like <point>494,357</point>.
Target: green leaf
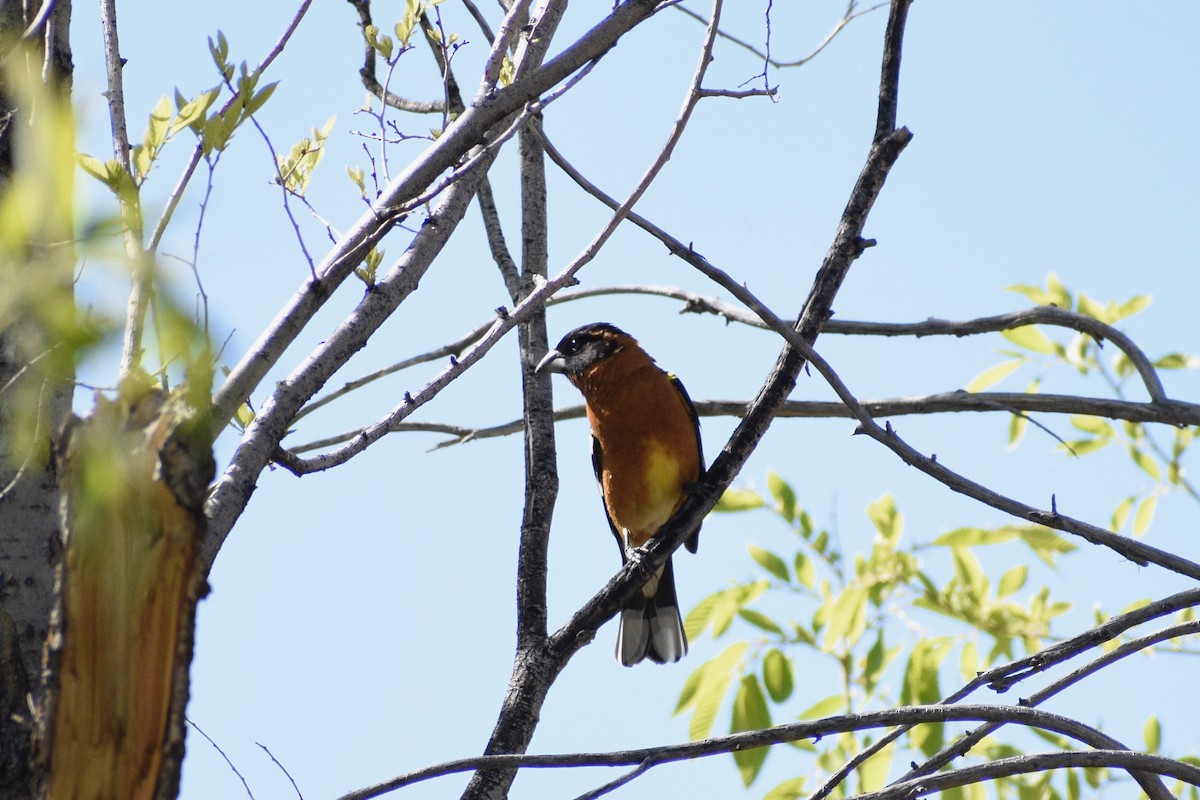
<point>711,690</point>
<point>1030,338</point>
<point>1081,447</point>
<point>874,663</point>
<point>259,98</point>
<point>972,537</point>
<point>968,661</point>
<point>1133,306</point>
<point>697,619</point>
<point>1096,426</point>
<point>93,166</point>
<point>1144,515</point>
<point>806,571</point>
<point>887,521</point>
<point>219,50</point>
<point>770,562</point>
<point>1017,423</point>
<point>825,708</point>
<point>192,113</point>
<point>1045,543</point>
<point>1121,513</point>
<point>1178,361</point>
<point>778,675</point>
<point>785,496</point>
<point>761,621</point>
<point>1152,733</point>
<point>872,774</point>
<point>993,375</point>
<point>1036,294</point>
<point>1073,788</point>
<point>687,695</point>
<point>791,789</point>
<point>1059,295</point>
<point>848,619</point>
<point>1145,461</point>
<point>731,601</point>
<point>921,687</point>
<point>750,713</point>
<point>739,500</point>
<point>1012,581</point>
<point>1090,308</point>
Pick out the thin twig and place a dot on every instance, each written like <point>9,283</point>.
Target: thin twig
<point>850,15</point>
<point>613,785</point>
<point>221,752</point>
<point>282,769</point>
<point>185,177</point>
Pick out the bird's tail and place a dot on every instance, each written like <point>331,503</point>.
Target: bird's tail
<point>651,626</point>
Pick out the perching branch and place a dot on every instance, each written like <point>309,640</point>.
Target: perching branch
<point>845,249</point>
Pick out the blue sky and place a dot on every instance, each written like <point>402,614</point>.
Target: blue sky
<point>361,622</point>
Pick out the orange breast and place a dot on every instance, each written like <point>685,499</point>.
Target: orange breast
<point>648,441</point>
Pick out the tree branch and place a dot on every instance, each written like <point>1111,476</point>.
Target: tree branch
<point>845,249</point>
<point>262,437</point>
<point>814,729</point>
<point>469,128</point>
<point>963,745</point>
<point>1003,677</point>
<point>852,13</point>
<point>1134,763</point>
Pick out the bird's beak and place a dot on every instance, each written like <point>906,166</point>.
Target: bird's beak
<point>553,361</point>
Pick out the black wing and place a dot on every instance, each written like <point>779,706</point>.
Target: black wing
<point>598,468</point>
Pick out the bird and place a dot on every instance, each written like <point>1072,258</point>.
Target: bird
<point>646,452</point>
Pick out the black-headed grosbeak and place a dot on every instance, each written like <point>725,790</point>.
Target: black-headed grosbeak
<point>646,450</point>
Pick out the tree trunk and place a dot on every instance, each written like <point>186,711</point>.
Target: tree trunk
<point>34,401</point>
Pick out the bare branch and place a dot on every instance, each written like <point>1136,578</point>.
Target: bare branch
<point>375,432</point>
<point>815,729</point>
<point>1136,763</point>
<point>852,13</point>
<point>468,129</point>
<point>964,744</point>
<point>142,288</point>
<point>371,82</point>
<point>946,402</point>
<point>262,437</point>
<point>1003,677</point>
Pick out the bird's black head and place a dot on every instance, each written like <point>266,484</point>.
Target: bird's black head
<point>585,347</point>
